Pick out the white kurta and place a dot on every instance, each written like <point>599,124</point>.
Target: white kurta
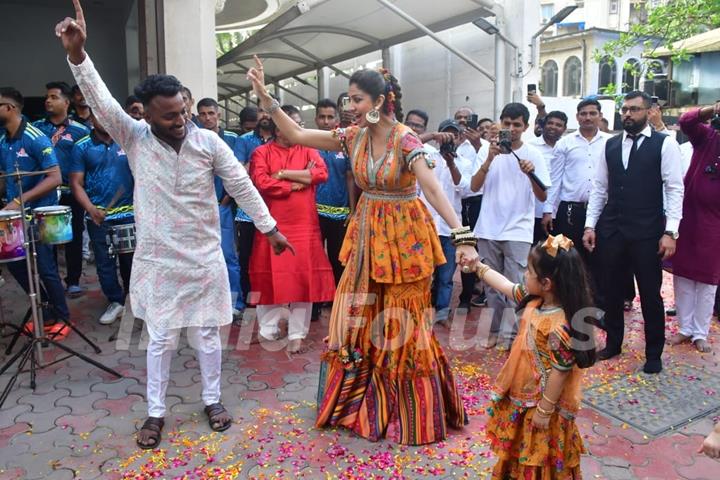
<point>179,278</point>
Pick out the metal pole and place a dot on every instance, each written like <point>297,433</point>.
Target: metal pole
<point>432,35</point>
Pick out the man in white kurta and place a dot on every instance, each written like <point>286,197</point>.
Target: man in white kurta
<point>179,276</point>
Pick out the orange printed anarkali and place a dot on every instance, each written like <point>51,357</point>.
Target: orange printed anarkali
<point>384,374</point>
<point>542,343</point>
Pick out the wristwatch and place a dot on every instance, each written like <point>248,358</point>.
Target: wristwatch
<point>671,234</point>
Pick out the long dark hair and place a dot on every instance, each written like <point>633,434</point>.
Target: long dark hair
<point>572,289</point>
<point>376,83</point>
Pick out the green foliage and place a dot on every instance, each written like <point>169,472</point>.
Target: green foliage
<point>226,41</point>
<point>666,24</point>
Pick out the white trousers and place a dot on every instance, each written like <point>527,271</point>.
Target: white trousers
<point>162,342</point>
<point>694,302</point>
<point>297,313</point>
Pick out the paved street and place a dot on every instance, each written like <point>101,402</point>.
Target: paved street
<point>80,422</point>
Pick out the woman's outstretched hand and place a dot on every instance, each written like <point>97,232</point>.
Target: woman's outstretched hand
<point>257,78</point>
<point>467,257</point>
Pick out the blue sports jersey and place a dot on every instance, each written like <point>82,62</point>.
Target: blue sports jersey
<point>33,151</point>
<point>231,139</point>
<point>331,197</point>
<point>244,149</point>
<point>63,137</point>
<point>107,176</point>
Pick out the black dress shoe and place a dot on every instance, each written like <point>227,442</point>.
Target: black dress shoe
<point>653,366</point>
<point>607,353</point>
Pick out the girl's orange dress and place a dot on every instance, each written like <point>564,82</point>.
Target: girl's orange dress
<point>542,343</point>
<point>384,374</point>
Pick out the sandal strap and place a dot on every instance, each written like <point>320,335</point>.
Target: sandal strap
<point>215,409</point>
<point>153,424</point>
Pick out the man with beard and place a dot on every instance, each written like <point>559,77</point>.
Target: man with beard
<point>633,226</point>
<point>81,112</point>
<point>244,149</point>
<point>572,170</point>
<point>27,146</point>
<point>179,278</point>
<point>64,134</point>
<point>554,126</point>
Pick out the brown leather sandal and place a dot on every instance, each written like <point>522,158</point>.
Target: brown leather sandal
<point>212,411</point>
<point>155,426</point>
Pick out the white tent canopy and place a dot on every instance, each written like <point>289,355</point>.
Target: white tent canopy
<point>320,33</point>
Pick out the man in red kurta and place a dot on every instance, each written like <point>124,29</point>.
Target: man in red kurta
<point>286,286</point>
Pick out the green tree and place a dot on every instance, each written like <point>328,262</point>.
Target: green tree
<point>662,26</point>
<point>226,41</point>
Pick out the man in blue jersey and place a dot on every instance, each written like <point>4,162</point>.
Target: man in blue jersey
<point>208,110</point>
<point>244,149</point>
<point>102,184</point>
<point>334,198</point>
<point>81,111</point>
<point>26,147</point>
<point>64,133</point>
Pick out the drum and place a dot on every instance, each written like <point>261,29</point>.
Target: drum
<point>12,237</point>
<point>121,239</point>
<point>54,224</point>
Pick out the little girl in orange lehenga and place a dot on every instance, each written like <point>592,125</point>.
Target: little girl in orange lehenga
<point>537,393</point>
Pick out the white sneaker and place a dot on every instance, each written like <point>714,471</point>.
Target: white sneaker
<point>113,312</point>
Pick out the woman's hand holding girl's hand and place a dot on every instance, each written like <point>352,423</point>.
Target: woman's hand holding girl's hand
<point>540,421</point>
<point>467,256</point>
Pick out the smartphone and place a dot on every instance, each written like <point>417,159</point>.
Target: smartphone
<point>345,104</point>
<point>654,100</point>
<point>531,88</point>
<point>504,137</point>
<point>473,121</point>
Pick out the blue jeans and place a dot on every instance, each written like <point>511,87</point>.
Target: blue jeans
<point>54,292</point>
<point>443,281</point>
<point>106,265</point>
<point>227,243</point>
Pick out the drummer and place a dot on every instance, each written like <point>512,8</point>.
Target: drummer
<point>64,133</point>
<point>102,184</point>
<point>30,150</point>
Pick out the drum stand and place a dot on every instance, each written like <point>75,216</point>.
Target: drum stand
<point>32,350</point>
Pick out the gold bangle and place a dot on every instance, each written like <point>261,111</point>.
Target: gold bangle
<point>543,412</point>
<point>548,400</point>
<point>17,200</point>
<point>482,270</point>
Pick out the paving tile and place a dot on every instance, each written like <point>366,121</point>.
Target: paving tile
<point>41,403</point>
<point>617,473</point>
<point>12,474</point>
<point>116,389</point>
<point>87,443</point>
<point>41,464</point>
<point>81,405</point>
<point>7,433</point>
<point>45,421</point>
<point>704,468</point>
<point>119,406</point>
<point>9,415</point>
<point>81,424</point>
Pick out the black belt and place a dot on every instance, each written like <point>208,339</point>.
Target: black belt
<point>576,204</point>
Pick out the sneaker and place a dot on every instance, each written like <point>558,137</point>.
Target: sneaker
<point>74,291</point>
<point>113,312</point>
<point>479,301</point>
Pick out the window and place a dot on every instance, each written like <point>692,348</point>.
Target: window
<point>547,12</point>
<point>631,75</point>
<point>572,75</point>
<point>613,6</point>
<point>549,79</point>
<point>608,72</point>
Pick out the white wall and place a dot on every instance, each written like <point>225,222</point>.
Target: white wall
<point>32,55</point>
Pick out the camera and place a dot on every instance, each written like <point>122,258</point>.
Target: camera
<point>473,121</point>
<point>447,147</point>
<point>504,140</point>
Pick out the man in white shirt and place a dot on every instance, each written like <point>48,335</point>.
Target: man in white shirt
<point>633,225</point>
<point>507,216</point>
<point>454,180</point>
<point>554,126</point>
<point>572,171</point>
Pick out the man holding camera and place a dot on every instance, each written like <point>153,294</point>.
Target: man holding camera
<point>507,216</point>
<point>696,264</point>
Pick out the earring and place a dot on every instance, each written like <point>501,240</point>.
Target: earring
<point>373,116</point>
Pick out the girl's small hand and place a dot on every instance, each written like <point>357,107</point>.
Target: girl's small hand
<point>467,256</point>
<point>539,421</point>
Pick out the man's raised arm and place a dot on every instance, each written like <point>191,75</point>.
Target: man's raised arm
<point>73,34</point>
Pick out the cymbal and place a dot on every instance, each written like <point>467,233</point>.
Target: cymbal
<point>21,173</point>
